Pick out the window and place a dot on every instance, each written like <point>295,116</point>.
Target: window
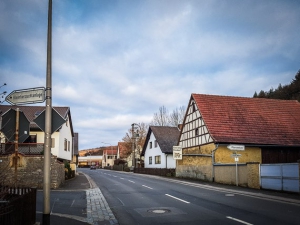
<point>194,107</point>
<point>196,132</point>
<point>150,144</point>
<point>68,145</point>
<point>155,144</point>
<point>150,160</point>
<point>157,159</point>
<point>65,144</point>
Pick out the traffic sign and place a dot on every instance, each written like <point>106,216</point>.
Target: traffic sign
<point>56,122</point>
<point>177,152</point>
<point>236,147</point>
<point>26,96</point>
<point>235,155</point>
<point>9,126</point>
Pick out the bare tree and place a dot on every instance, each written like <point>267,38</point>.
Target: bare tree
<point>161,118</point>
<point>140,140</point>
<point>177,116</point>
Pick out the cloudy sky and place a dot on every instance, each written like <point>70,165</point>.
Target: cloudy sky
<point>116,62</point>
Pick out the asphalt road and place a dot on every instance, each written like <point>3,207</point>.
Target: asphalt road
<point>143,199</point>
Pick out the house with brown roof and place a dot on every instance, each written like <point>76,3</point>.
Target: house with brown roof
<point>63,144</point>
<point>109,156</point>
<point>158,147</point>
<point>268,129</point>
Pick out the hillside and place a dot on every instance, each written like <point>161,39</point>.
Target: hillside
<point>286,92</point>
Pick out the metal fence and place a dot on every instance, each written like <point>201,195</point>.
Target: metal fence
<point>24,148</point>
<point>17,206</point>
<point>281,177</point>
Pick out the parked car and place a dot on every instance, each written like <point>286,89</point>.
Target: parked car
<point>93,167</point>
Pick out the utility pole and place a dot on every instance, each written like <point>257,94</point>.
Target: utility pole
<point>48,120</point>
<point>133,140</point>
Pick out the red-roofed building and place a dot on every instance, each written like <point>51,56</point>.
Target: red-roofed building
<point>269,130</point>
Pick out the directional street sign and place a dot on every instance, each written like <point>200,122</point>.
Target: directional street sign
<point>57,121</point>
<point>26,96</point>
<point>236,147</point>
<point>9,126</point>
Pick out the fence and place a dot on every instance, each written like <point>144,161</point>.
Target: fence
<point>281,177</point>
<point>156,171</point>
<point>17,206</point>
<point>25,148</point>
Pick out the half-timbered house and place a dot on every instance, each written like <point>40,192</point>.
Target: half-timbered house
<point>268,129</point>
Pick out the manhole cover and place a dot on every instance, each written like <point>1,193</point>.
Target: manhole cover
<point>159,211</point>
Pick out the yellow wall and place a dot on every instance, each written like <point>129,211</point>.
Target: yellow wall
<point>200,167</point>
<point>250,154</point>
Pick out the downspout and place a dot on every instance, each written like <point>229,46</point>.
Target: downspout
<point>213,162</point>
<point>166,160</point>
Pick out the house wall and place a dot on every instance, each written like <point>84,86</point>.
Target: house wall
<point>59,137</point>
<point>64,133</point>
<point>166,161</point>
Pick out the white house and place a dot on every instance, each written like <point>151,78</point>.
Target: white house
<point>158,147</point>
<point>62,138</point>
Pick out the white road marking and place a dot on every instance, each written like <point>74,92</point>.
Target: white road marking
<point>241,221</point>
<point>177,198</point>
<point>72,203</point>
<point>147,187</point>
<point>121,178</point>
<point>131,181</point>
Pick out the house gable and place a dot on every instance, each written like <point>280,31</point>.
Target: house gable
<point>194,130</point>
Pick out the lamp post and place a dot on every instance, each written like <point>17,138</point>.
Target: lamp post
<point>133,137</point>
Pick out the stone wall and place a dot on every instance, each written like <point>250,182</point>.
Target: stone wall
<point>29,171</point>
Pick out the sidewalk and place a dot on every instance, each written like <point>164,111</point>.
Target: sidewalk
<point>97,210</point>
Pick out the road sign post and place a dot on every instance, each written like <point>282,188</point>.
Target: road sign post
<point>236,156</point>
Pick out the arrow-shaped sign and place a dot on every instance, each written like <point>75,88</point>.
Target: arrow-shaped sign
<point>236,147</point>
<point>26,96</point>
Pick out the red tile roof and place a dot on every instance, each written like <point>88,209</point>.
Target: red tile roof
<point>257,121</point>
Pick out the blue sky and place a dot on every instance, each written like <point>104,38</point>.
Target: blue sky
<point>115,63</point>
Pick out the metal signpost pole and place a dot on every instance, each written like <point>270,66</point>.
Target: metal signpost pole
<point>48,119</point>
<point>16,146</point>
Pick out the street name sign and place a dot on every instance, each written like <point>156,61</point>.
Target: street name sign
<point>177,152</point>
<point>236,147</point>
<point>26,96</point>
<point>235,155</point>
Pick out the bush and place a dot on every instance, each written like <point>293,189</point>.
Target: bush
<point>69,173</point>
